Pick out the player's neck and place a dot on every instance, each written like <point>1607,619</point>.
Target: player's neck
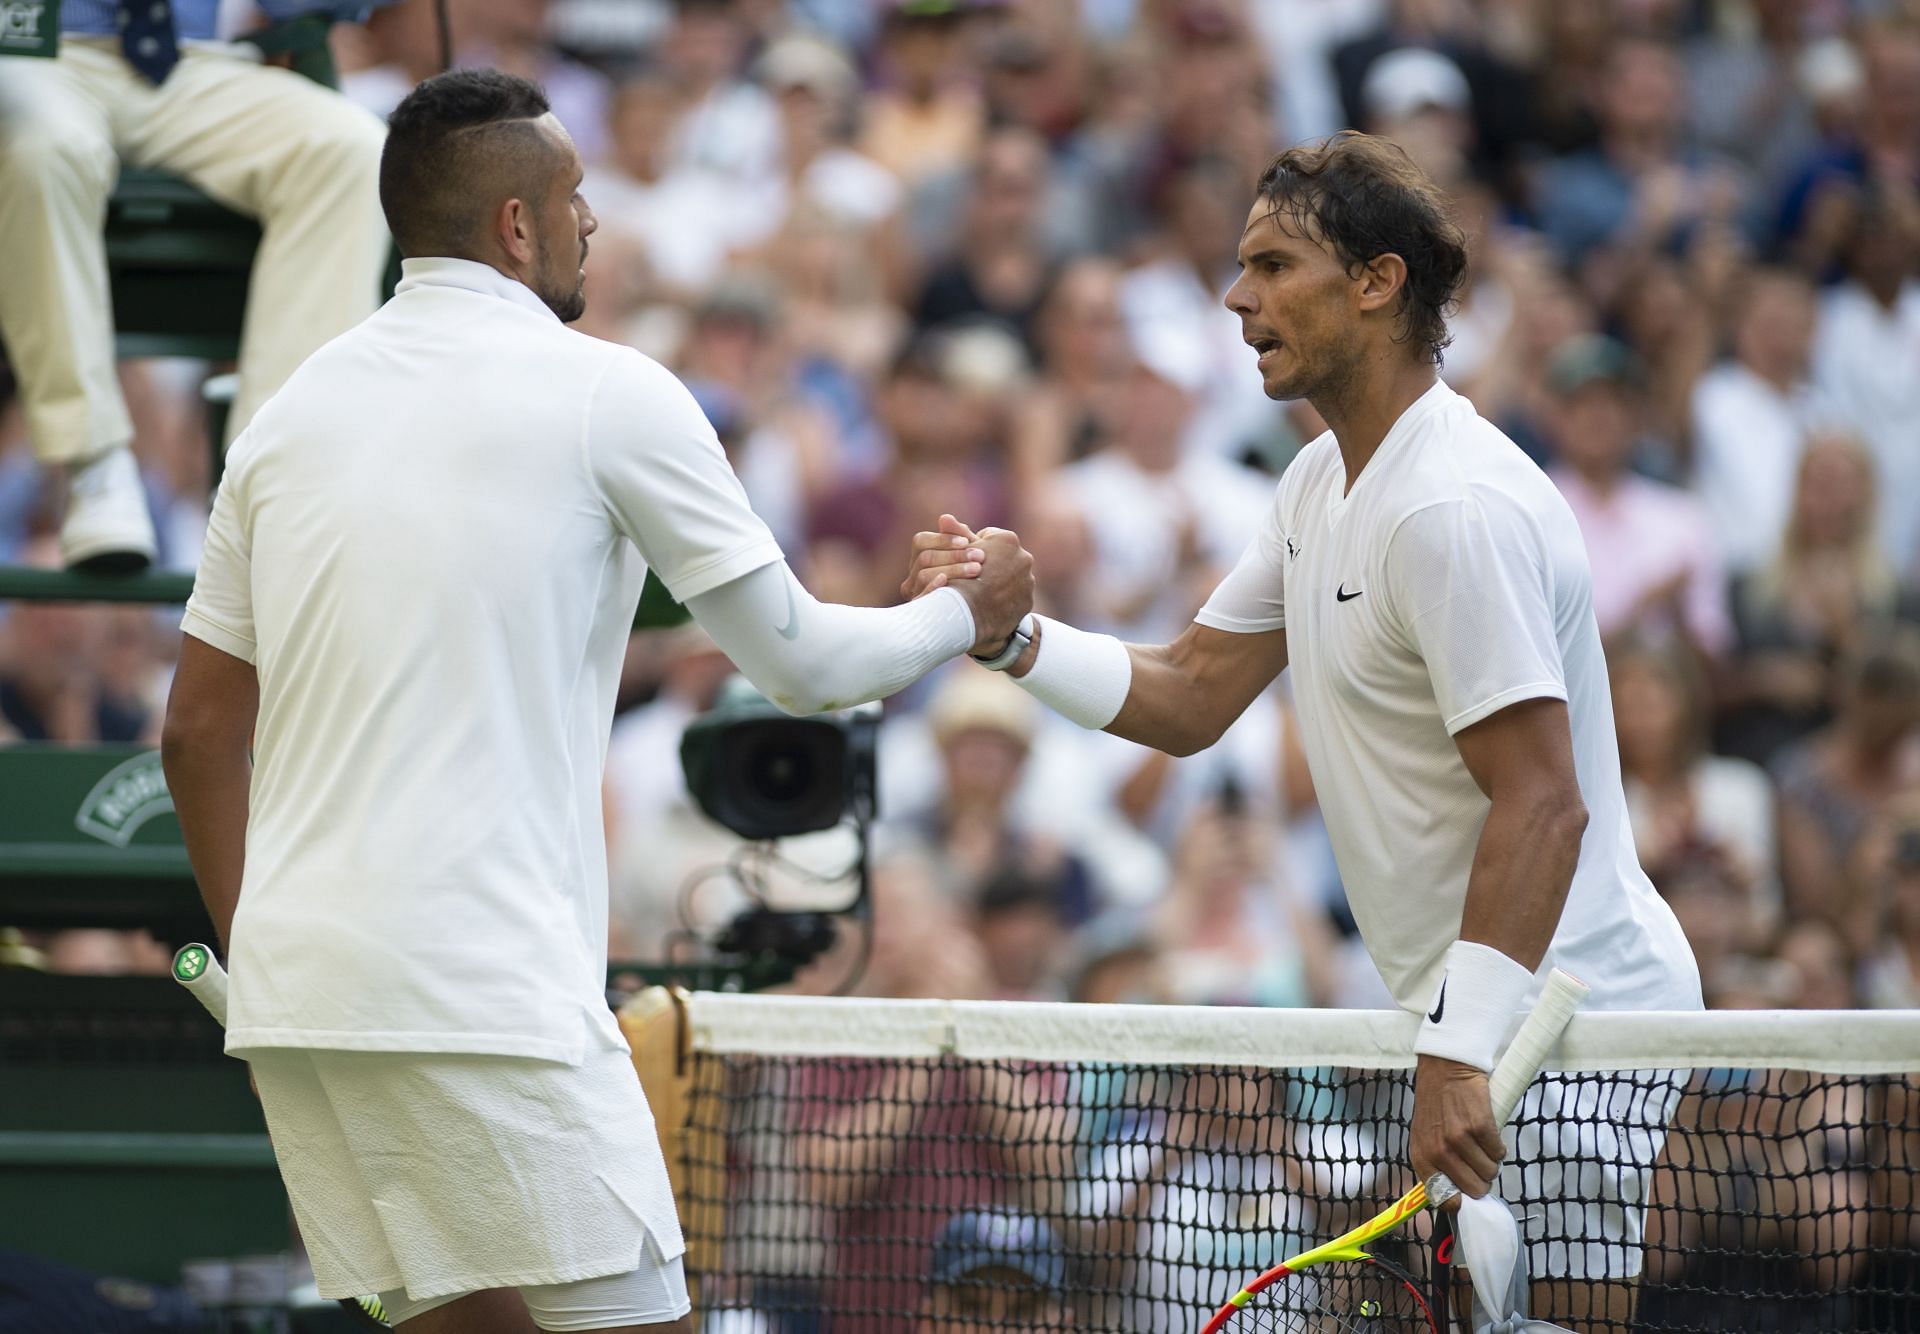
<point>1365,406</point>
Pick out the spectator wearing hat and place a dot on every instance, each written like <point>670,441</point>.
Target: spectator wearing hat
<point>1420,100</point>
<point>995,1270</point>
<point>1651,545</point>
<point>1165,522</point>
<point>815,87</point>
<point>928,118</point>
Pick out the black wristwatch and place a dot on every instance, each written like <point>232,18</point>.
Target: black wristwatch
<point>1017,643</point>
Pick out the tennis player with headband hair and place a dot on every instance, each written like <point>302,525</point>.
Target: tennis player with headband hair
<point>1431,592</point>
<point>390,717</point>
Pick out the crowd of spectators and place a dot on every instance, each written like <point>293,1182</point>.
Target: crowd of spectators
<point>967,256</point>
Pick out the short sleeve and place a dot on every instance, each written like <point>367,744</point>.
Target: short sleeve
<point>1253,596</point>
<point>666,481</point>
<point>220,612</point>
<point>1471,586</point>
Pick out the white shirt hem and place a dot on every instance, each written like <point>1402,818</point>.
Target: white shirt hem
<point>725,569</point>
<point>1213,620</point>
<point>476,1044</point>
<point>196,624</point>
<point>1513,695</point>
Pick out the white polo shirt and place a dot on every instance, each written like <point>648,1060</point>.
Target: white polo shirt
<point>430,543</point>
<point>1449,583</point>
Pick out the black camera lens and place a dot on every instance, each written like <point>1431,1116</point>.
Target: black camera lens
<point>780,773</point>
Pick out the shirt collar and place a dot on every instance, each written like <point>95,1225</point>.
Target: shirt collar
<point>468,276</point>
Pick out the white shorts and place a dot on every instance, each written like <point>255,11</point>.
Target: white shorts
<point>436,1174</point>
<point>650,1295</point>
<point>1583,1153</point>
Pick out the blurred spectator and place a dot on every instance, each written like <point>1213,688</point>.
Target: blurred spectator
<point>730,124</point>
<point>1688,807</point>
<point>1165,523</point>
<point>1891,974</point>
<point>1420,100</point>
<point>1650,545</point>
<point>994,1270</point>
<point>814,87</point>
<point>1751,416</point>
<point>1880,149</point>
<point>985,726</point>
<point>1747,99</point>
<point>927,118</point>
<point>1833,783</point>
<point>76,673</point>
<point>1001,264</point>
<point>1826,587</point>
<point>1233,930</point>
<point>1176,301</point>
<point>1823,964</point>
<point>1023,931</point>
<point>684,219</point>
<point>1082,361</point>
<point>512,35</point>
<point>1641,187</point>
<point>1866,358</point>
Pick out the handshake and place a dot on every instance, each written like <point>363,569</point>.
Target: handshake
<point>990,569</point>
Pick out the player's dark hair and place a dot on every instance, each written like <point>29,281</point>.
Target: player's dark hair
<point>1364,197</point>
<point>456,145</point>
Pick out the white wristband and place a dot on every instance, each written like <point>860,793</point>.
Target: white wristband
<point>1475,1007</point>
<point>1080,676</point>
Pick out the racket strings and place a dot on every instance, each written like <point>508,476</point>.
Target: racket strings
<point>1338,1299</point>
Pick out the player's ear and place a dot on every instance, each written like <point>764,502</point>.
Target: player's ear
<point>513,230</point>
<point>1380,282</point>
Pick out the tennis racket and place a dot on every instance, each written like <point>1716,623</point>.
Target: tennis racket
<point>195,968</point>
<point>1340,1288</point>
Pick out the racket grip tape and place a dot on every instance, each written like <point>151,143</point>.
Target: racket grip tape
<point>196,969</point>
<point>1560,998</point>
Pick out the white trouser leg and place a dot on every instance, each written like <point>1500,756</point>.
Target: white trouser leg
<point>57,167</point>
<point>306,162</point>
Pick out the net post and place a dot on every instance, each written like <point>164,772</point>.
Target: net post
<point>656,1027</point>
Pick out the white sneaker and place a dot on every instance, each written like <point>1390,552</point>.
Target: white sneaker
<point>107,529</point>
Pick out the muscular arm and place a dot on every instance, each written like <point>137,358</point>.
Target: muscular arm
<point>204,748</point>
<point>1185,694</point>
<point>1522,758</point>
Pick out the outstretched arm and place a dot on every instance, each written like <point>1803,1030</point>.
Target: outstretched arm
<point>1176,697</point>
<point>809,656</point>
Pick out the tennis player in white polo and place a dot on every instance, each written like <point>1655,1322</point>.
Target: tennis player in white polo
<point>418,583</point>
<point>1431,591</point>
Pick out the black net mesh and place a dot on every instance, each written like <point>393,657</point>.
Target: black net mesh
<point>871,1196</point>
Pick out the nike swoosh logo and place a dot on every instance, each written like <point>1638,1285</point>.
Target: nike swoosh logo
<point>1342,595</point>
<point>791,630</point>
<point>1440,1004</point>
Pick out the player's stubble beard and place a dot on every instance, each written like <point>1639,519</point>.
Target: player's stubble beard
<point>563,288</point>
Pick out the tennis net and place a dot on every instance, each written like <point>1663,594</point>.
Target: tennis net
<point>848,1165</point>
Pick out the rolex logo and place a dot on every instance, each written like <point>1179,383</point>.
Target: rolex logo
<point>126,797</point>
<point>20,22</point>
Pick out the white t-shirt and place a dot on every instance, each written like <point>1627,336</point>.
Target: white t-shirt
<point>430,544</point>
<point>1449,583</point>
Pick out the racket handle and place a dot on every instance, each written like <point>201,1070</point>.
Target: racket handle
<point>1526,1055</point>
<point>196,969</point>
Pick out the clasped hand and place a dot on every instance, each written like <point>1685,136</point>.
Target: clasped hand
<point>990,569</point>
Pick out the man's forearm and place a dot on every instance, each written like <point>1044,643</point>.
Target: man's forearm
<point>209,784</point>
<point>1522,870</point>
